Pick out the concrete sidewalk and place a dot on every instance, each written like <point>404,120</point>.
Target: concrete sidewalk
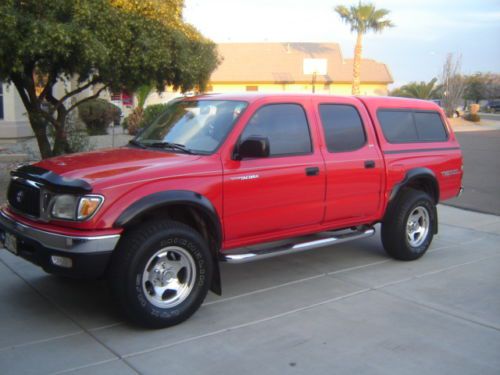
<point>347,309</point>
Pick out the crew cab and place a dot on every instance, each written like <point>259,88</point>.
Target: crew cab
<point>233,178</point>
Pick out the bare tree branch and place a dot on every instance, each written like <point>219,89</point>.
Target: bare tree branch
<point>453,84</point>
<point>95,96</point>
<point>76,91</point>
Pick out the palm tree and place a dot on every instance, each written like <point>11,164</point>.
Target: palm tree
<point>418,90</point>
<point>362,18</point>
<point>142,94</point>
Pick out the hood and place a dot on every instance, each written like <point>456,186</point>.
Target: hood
<point>102,167</point>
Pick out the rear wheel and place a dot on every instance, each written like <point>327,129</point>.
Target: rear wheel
<point>160,273</point>
<point>407,230</point>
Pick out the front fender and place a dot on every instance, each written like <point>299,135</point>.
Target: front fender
<point>166,198</point>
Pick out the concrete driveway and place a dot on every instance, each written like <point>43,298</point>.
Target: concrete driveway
<point>340,310</point>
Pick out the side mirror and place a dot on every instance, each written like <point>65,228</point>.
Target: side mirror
<point>252,147</point>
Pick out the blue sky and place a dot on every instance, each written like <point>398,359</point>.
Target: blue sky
<point>426,31</point>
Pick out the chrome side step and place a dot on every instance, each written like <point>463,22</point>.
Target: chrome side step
<point>251,254</point>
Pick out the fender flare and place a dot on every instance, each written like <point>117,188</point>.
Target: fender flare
<point>414,174</point>
<point>170,197</point>
<point>182,197</point>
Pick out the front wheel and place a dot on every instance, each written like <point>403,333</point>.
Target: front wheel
<point>160,273</point>
<point>408,227</point>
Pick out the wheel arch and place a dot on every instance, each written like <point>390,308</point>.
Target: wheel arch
<point>185,206</point>
<point>422,179</point>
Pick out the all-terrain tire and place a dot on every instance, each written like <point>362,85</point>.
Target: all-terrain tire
<point>160,273</point>
<point>408,226</point>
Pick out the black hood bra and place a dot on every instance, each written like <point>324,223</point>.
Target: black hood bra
<point>52,180</point>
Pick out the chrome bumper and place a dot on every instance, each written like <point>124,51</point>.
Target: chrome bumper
<point>59,242</point>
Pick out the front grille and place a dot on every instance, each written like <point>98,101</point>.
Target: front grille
<point>24,197</point>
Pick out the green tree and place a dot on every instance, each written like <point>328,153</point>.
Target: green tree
<point>418,90</point>
<point>362,18</point>
<point>476,87</point>
<point>94,45</point>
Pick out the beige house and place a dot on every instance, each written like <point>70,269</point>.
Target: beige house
<point>266,67</point>
<point>13,122</point>
<point>279,67</point>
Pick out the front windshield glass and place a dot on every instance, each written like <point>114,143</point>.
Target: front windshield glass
<point>197,126</point>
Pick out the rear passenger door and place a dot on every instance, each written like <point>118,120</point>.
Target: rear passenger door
<point>279,193</point>
<point>354,164</point>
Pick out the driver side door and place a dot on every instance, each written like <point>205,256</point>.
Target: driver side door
<point>279,193</point>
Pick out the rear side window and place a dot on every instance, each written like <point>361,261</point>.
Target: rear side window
<point>286,127</point>
<point>430,127</point>
<point>398,126</point>
<point>406,126</point>
<point>343,127</point>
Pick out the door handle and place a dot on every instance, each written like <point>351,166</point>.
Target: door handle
<point>312,171</point>
<point>369,164</point>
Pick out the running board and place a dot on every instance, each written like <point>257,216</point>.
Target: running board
<point>244,255</point>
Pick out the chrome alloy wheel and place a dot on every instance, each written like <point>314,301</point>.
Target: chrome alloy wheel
<point>417,226</point>
<point>169,277</point>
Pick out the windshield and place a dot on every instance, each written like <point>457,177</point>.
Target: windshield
<point>192,126</point>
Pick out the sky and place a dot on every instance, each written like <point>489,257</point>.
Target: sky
<point>415,49</point>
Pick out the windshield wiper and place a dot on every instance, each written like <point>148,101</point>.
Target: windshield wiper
<point>173,146</point>
<point>133,142</point>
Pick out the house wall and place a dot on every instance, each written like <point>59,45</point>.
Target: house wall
<point>14,123</point>
<point>320,88</point>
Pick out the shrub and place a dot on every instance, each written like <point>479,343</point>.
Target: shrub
<point>134,121</point>
<point>140,118</point>
<point>125,123</point>
<point>474,117</point>
<point>76,134</point>
<point>474,109</point>
<point>97,114</point>
<point>151,113</point>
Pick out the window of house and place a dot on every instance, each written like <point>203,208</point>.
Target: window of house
<point>406,126</point>
<point>1,100</point>
<point>286,127</point>
<point>116,96</point>
<point>343,127</point>
<point>252,88</point>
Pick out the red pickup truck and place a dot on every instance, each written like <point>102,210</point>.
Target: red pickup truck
<point>233,178</point>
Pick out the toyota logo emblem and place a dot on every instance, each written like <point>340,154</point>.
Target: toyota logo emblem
<point>19,196</point>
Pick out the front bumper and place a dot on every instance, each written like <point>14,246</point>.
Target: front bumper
<point>84,256</point>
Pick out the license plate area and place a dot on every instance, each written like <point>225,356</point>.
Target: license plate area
<point>11,243</point>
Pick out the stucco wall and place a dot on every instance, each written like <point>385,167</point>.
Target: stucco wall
<point>320,88</point>
<point>15,123</point>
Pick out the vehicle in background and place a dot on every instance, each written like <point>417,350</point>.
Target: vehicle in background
<point>493,106</point>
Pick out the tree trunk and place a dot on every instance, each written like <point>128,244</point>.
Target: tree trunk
<point>61,145</point>
<point>356,65</point>
<point>39,126</point>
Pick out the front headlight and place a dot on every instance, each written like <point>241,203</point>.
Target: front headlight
<point>73,207</point>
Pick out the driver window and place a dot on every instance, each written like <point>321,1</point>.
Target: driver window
<point>286,127</point>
